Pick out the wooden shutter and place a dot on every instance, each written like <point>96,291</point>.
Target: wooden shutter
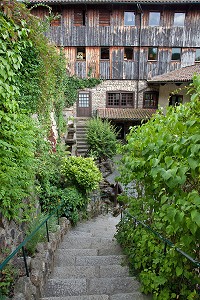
<point>104,18</point>
<point>78,17</point>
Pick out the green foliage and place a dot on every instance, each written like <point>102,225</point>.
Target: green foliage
<point>101,138</point>
<point>73,84</point>
<point>31,82</point>
<point>81,172</point>
<point>162,161</point>
<point>41,234</point>
<point>71,201</point>
<point>7,278</point>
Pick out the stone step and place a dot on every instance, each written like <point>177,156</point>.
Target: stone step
<point>127,296</point>
<point>90,271</point>
<point>93,260</point>
<point>92,286</point>
<point>87,243</point>
<point>86,297</point>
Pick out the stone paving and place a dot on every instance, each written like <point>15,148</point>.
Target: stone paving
<point>89,265</point>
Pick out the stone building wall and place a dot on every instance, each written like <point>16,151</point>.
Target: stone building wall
<point>98,93</point>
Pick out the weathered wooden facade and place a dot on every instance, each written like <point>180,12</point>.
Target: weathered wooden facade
<point>125,41</point>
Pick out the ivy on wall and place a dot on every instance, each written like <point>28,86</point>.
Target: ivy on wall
<point>33,81</point>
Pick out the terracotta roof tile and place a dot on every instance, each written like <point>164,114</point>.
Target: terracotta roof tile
<point>181,75</point>
<point>125,113</point>
<point>116,1</point>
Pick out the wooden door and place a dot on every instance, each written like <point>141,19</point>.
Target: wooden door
<point>84,107</point>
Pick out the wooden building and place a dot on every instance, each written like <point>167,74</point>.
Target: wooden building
<point>127,43</point>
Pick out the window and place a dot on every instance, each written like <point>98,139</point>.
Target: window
<point>129,18</point>
<point>105,53</point>
<point>152,54</point>
<point>104,18</point>
<point>179,19</point>
<point>197,55</point>
<point>120,99</point>
<point>83,99</point>
<point>81,55</point>
<point>150,100</point>
<point>176,54</point>
<point>56,11</point>
<point>79,18</point>
<point>128,53</point>
<point>154,19</point>
<point>175,100</point>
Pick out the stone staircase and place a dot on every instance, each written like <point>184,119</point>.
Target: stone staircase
<point>82,146</point>
<point>89,265</point>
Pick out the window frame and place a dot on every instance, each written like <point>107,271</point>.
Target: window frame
<point>108,48</point>
<point>126,12</point>
<point>154,12</point>
<point>126,50</point>
<point>104,17</point>
<point>84,97</point>
<point>155,96</point>
<point>84,53</point>
<point>120,94</point>
<point>79,21</point>
<point>152,59</point>
<point>178,59</point>
<point>175,103</point>
<point>178,25</point>
<point>197,60</point>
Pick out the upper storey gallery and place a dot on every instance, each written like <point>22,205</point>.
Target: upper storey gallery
<point>130,23</point>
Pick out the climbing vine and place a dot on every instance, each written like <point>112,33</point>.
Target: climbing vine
<point>74,84</point>
<point>161,161</point>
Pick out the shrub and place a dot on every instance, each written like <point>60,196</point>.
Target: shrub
<point>101,138</point>
<point>81,172</point>
<point>162,159</point>
<point>71,201</point>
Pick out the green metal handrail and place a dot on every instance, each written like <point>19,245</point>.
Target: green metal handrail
<point>163,239</point>
<point>28,238</point>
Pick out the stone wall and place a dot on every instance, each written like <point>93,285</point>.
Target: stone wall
<point>98,93</point>
<point>39,266</point>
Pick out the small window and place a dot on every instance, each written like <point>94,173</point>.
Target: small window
<point>105,53</point>
<point>56,11</point>
<point>175,100</point>
<point>83,99</point>
<point>104,18</point>
<point>179,19</point>
<point>79,18</point>
<point>152,54</point>
<point>120,99</point>
<point>176,54</point>
<point>154,19</point>
<point>128,53</point>
<point>150,100</point>
<point>197,55</point>
<point>129,18</point>
<point>81,53</point>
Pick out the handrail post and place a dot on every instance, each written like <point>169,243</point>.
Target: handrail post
<point>47,231</point>
<point>25,261</point>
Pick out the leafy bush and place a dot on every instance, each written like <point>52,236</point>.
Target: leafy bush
<point>70,200</point>
<point>7,278</point>
<point>81,172</point>
<point>101,138</point>
<point>162,160</point>
<point>41,234</point>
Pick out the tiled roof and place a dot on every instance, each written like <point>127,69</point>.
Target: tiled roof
<point>181,75</point>
<point>114,1</point>
<point>125,113</point>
